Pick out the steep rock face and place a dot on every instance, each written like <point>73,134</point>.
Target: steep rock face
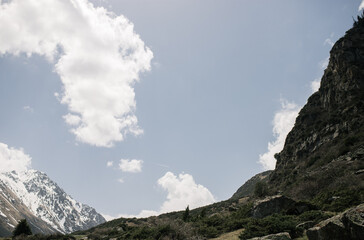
<point>325,148</point>
<point>47,201</point>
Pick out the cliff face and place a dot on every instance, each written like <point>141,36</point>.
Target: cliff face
<point>325,149</point>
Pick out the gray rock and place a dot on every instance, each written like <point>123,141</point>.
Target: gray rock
<point>278,236</point>
<point>332,228</point>
<point>347,225</point>
<point>353,220</point>
<point>305,225</point>
<point>271,205</point>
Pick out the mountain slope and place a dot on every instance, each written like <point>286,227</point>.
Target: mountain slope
<point>325,149</point>
<point>247,189</point>
<point>12,210</point>
<point>34,193</point>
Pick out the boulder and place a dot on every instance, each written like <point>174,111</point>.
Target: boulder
<point>347,225</point>
<point>271,205</point>
<point>332,228</point>
<point>353,220</point>
<point>278,236</point>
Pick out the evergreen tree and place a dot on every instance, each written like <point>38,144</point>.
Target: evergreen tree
<point>22,228</point>
<point>186,214</point>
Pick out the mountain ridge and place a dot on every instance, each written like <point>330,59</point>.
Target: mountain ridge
<point>46,201</point>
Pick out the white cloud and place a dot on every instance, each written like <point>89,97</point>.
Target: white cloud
<point>28,109</point>
<point>329,42</point>
<point>315,85</point>
<point>361,7</point>
<point>120,180</point>
<point>132,166</point>
<point>13,159</point>
<point>97,55</point>
<point>182,191</point>
<point>72,120</point>
<point>283,122</point>
<point>324,63</point>
<point>109,163</point>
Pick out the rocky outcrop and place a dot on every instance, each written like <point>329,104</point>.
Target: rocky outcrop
<point>278,204</point>
<point>278,236</point>
<point>271,205</point>
<point>347,225</point>
<point>324,149</point>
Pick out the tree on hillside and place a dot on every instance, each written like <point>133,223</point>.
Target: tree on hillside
<point>22,228</point>
<point>186,214</point>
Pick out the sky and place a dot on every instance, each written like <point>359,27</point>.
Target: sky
<point>139,107</point>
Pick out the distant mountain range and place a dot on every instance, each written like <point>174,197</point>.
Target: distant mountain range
<point>33,195</point>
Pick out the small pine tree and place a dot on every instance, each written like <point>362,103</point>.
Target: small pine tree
<point>186,214</point>
<point>22,228</point>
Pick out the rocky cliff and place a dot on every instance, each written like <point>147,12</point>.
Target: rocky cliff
<point>325,149</point>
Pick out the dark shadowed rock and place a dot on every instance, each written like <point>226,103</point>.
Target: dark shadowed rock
<point>353,221</point>
<point>332,228</point>
<point>347,225</point>
<point>271,205</point>
<point>278,236</point>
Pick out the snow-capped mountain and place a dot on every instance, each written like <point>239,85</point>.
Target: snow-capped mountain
<point>43,198</point>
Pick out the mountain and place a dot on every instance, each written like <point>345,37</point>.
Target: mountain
<point>33,195</point>
<point>317,188</point>
<point>325,149</point>
<point>247,189</point>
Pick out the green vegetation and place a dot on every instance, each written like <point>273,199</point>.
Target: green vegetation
<point>22,228</point>
<point>338,200</point>
<point>186,214</point>
<point>275,223</point>
<point>261,189</point>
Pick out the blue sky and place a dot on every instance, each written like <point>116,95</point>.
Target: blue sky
<point>176,106</point>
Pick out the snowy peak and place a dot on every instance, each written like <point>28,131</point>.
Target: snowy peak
<point>47,201</point>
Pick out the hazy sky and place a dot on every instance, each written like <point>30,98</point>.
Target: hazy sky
<point>141,107</point>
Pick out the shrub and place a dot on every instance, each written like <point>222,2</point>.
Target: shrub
<point>261,189</point>
<point>275,223</point>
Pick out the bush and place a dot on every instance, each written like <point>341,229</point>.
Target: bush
<point>339,200</point>
<point>275,223</point>
<point>261,189</point>
<point>22,228</point>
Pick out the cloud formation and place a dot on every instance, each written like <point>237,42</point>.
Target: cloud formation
<point>315,85</point>
<point>361,7</point>
<point>13,159</point>
<point>283,122</point>
<point>182,191</point>
<point>133,166</point>
<point>97,55</point>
